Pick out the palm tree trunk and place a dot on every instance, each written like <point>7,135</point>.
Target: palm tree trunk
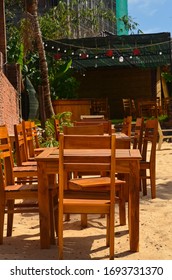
<point>3,47</point>
<point>32,8</point>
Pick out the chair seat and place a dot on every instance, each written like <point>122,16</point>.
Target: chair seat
<point>86,206</point>
<point>19,187</point>
<point>29,163</point>
<point>27,168</point>
<point>92,182</point>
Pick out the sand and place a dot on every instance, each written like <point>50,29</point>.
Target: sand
<point>89,243</point>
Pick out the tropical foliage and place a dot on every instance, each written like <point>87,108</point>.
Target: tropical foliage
<point>50,139</point>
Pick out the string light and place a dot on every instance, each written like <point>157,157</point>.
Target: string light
<point>123,49</point>
<point>121,59</point>
<point>134,53</point>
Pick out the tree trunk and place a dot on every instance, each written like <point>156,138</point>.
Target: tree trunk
<point>32,7</point>
<point>3,44</point>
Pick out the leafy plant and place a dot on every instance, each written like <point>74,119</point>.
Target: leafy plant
<point>50,139</point>
<point>167,76</point>
<point>63,85</point>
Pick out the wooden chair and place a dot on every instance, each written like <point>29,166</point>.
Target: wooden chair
<point>25,170</point>
<point>133,109</point>
<point>35,136</point>
<point>148,163</point>
<point>127,107</point>
<point>92,201</point>
<point>24,145</point>
<point>147,108</point>
<point>100,106</point>
<point>138,134</point>
<point>163,134</point>
<point>107,124</point>
<point>28,138</point>
<point>95,130</point>
<point>31,139</point>
<point>126,126</point>
<point>166,106</point>
<point>11,193</point>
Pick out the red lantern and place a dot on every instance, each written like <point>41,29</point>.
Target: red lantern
<point>136,52</point>
<point>109,53</point>
<point>57,56</point>
<point>83,55</point>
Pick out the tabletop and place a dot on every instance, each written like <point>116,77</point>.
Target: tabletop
<point>52,153</point>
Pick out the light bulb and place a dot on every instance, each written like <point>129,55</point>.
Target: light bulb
<point>121,59</point>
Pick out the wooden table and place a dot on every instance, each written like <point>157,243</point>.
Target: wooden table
<point>127,161</point>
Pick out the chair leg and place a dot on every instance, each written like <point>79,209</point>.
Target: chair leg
<point>122,211</point>
<point>84,220</point>
<point>2,213</point>
<point>52,220</point>
<point>60,240</point>
<point>10,207</point>
<point>144,186</point>
<point>107,231</point>
<point>67,217</point>
<point>143,181</point>
<point>153,184</point>
<point>111,237</point>
<point>160,143</point>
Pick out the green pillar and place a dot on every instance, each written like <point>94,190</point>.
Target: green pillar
<point>121,10</point>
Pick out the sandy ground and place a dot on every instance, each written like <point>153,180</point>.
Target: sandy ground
<point>89,243</point>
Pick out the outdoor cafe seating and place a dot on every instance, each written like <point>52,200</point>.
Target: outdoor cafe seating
<point>86,185</point>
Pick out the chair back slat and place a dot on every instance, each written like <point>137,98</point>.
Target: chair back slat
<point>87,141</point>
<point>150,137</point>
<point>6,162</point>
<point>21,152</point>
<point>126,126</point>
<point>84,130</point>
<point>138,134</point>
<point>35,135</point>
<point>28,136</point>
<point>106,124</point>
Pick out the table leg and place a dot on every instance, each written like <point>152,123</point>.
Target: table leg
<point>134,206</point>
<point>43,200</point>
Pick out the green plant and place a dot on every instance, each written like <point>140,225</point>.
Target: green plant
<point>162,118</point>
<point>167,76</point>
<point>50,137</point>
<point>62,83</point>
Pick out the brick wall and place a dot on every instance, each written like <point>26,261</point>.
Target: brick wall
<point>9,109</point>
